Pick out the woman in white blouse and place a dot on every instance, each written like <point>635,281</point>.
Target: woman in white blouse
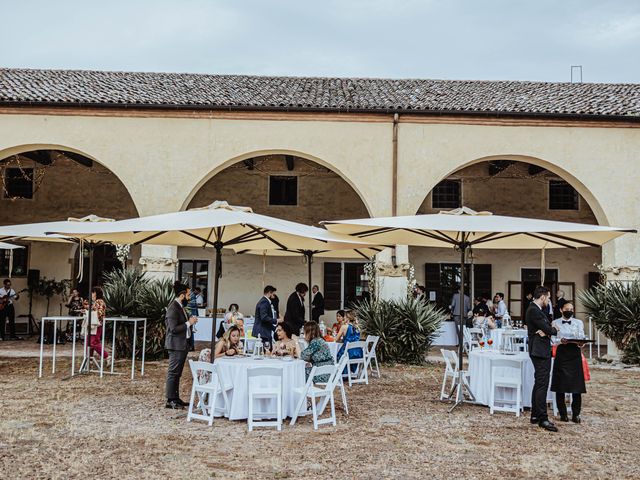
<point>568,376</point>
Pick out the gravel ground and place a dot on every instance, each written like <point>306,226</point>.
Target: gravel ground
<point>117,428</point>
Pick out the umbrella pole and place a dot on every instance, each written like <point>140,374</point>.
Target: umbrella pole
<point>461,387</point>
<point>309,256</point>
<point>87,344</point>
<point>216,278</point>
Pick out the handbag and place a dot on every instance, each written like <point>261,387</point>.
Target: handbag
<point>95,323</point>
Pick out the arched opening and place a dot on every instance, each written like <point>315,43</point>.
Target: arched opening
<point>520,187</point>
<point>289,186</point>
<point>42,183</point>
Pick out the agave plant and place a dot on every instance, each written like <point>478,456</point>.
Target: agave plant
<point>121,289</point>
<point>615,309</point>
<point>130,293</point>
<point>154,299</point>
<point>406,327</point>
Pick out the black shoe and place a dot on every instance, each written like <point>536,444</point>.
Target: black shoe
<point>533,420</point>
<point>173,404</point>
<point>576,419</point>
<point>182,402</point>
<point>547,425</point>
<point>564,418</point>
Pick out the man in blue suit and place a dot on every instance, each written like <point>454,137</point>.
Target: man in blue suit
<point>266,318</point>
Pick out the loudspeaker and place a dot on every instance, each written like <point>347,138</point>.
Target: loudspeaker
<point>33,278</point>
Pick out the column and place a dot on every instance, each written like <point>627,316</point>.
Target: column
<point>159,261</point>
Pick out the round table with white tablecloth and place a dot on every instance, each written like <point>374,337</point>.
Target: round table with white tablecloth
<point>480,375</point>
<point>234,372</point>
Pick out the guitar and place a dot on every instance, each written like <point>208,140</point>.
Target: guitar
<point>4,300</point>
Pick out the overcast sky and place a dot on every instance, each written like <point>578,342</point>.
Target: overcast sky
<point>451,39</point>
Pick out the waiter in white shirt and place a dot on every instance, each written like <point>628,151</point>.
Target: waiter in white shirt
<point>568,376</point>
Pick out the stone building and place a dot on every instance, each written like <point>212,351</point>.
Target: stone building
<point>309,149</point>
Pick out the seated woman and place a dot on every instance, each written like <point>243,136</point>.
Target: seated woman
<point>230,344</point>
<point>317,353</point>
<point>232,317</point>
<point>339,321</point>
<point>349,332</point>
<point>286,344</point>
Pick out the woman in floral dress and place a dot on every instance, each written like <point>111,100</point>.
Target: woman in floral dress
<point>317,353</point>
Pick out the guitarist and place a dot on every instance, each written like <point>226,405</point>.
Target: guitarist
<point>7,310</point>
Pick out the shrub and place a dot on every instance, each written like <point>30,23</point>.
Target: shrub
<point>131,293</point>
<point>615,309</point>
<point>406,327</point>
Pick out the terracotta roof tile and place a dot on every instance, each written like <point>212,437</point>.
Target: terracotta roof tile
<point>73,87</point>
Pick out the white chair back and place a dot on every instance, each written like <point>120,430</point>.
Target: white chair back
<point>257,391</point>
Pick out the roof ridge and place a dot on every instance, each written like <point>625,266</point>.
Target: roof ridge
<point>309,77</point>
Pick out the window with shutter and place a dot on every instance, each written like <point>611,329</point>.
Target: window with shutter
<point>332,285</point>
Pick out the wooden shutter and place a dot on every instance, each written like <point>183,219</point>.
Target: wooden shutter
<point>432,280</point>
<point>514,300</point>
<point>482,279</point>
<point>332,285</point>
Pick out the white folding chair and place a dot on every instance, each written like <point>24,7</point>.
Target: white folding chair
<point>341,365</point>
<point>451,372</point>
<point>360,375</point>
<point>207,392</point>
<point>372,343</point>
<point>468,343</point>
<point>323,391</point>
<point>506,373</point>
<point>257,392</point>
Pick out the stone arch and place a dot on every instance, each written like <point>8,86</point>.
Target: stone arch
<point>23,148</point>
<point>265,152</point>
<point>586,194</point>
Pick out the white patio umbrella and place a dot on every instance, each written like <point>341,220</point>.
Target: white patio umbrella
<point>10,247</point>
<point>39,232</point>
<point>466,229</point>
<point>219,225</point>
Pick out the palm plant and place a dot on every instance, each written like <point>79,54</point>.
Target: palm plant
<point>121,289</point>
<point>406,327</point>
<point>153,300</point>
<point>615,309</point>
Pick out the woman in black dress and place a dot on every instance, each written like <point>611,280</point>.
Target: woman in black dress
<point>568,376</point>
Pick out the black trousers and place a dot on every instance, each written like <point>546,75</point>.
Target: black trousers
<point>315,315</point>
<point>542,374</point>
<point>176,364</point>
<point>576,403</point>
<point>8,312</point>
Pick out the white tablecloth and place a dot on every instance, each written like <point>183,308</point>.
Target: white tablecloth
<point>234,371</point>
<point>480,373</point>
<point>447,335</point>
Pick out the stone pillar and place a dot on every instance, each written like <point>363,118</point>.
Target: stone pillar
<point>392,273</point>
<point>159,261</point>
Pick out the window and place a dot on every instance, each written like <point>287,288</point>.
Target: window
<point>344,283</point>
<point>562,196</point>
<point>18,182</point>
<point>195,273</point>
<point>20,262</point>
<point>447,194</point>
<point>443,278</point>
<point>283,190</point>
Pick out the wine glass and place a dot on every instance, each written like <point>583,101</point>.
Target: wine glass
<point>481,343</point>
<point>490,341</point>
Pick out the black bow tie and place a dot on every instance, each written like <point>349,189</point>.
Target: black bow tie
<point>566,321</point>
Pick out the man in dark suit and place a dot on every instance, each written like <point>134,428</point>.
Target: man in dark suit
<point>318,304</point>
<point>540,332</point>
<point>266,317</point>
<point>294,315</point>
<point>177,343</point>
